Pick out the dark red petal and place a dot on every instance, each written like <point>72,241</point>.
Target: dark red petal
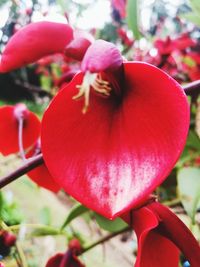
<point>9,130</point>
<point>112,157</point>
<point>154,250</point>
<point>55,261</point>
<point>43,178</point>
<point>76,48</point>
<point>101,56</point>
<point>70,260</point>
<point>41,175</point>
<point>33,42</point>
<point>175,230</point>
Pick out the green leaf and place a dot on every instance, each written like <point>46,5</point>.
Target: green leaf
<point>45,230</point>
<point>63,4</point>
<point>195,4</point>
<point>189,189</point>
<point>1,204</point>
<point>76,211</point>
<point>108,225</point>
<point>189,61</point>
<point>193,17</point>
<point>132,17</point>
<point>193,140</point>
<point>45,82</point>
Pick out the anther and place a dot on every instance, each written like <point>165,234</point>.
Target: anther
<point>97,83</point>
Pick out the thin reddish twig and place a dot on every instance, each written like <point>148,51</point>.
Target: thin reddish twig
<point>26,167</point>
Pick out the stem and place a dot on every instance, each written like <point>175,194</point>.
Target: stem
<point>17,260</point>
<point>28,166</point>
<point>104,239</point>
<point>33,88</point>
<point>21,255</point>
<point>173,202</point>
<point>20,139</point>
<point>192,88</point>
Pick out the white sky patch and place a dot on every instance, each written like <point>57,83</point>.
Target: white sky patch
<point>4,14</point>
<point>95,16</point>
<point>56,17</point>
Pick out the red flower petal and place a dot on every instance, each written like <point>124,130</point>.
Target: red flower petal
<point>34,41</point>
<point>77,48</point>
<point>55,261</point>
<point>9,130</point>
<point>154,250</point>
<point>42,177</point>
<point>69,259</point>
<point>112,157</point>
<point>175,230</point>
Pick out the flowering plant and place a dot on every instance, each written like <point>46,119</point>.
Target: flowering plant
<point>109,137</point>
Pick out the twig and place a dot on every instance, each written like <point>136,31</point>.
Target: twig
<point>28,166</point>
<point>21,255</point>
<point>33,88</point>
<point>104,239</point>
<point>192,88</point>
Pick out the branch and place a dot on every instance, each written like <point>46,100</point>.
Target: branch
<point>33,88</point>
<point>192,88</point>
<point>28,166</point>
<point>104,239</point>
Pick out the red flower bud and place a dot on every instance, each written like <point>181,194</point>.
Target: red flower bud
<point>101,56</point>
<point>9,239</point>
<point>75,245</point>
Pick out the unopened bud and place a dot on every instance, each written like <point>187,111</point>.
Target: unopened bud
<point>21,111</point>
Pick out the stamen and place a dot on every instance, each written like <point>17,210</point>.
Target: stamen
<point>97,83</point>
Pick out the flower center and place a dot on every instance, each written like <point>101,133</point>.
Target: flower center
<point>95,81</point>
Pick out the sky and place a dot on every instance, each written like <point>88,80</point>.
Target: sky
<point>95,16</point>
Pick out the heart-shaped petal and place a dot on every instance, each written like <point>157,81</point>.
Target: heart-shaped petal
<point>113,156</point>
